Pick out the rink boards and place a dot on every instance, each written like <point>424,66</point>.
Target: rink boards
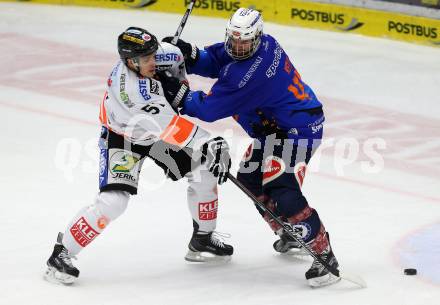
<point>321,16</point>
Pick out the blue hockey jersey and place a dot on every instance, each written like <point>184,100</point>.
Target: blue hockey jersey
<point>265,86</point>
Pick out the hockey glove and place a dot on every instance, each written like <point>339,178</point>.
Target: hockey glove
<point>190,51</point>
<point>175,91</point>
<point>215,153</point>
<point>267,127</point>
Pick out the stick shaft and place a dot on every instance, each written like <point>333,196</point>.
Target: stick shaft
<point>285,227</point>
<point>183,22</point>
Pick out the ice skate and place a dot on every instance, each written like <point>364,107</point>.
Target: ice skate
<point>60,268</point>
<point>207,247</point>
<point>289,246</point>
<point>318,275</point>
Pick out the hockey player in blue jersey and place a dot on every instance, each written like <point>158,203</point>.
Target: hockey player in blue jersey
<point>259,86</point>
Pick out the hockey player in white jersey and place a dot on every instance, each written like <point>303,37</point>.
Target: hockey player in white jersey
<point>137,123</point>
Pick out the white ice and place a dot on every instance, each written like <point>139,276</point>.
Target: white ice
<point>54,64</point>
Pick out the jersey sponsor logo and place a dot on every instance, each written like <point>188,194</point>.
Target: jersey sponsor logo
<point>168,57</point>
<point>82,232</point>
<point>226,68</point>
<point>208,210</point>
<point>412,29</point>
<point>162,67</point>
<point>300,172</point>
<point>293,131</point>
<point>125,165</point>
<point>143,90</point>
<point>251,72</point>
<point>122,94</point>
<point>103,168</point>
<point>273,168</point>
<point>154,87</point>
<point>317,125</point>
<point>276,61</point>
<point>216,5</point>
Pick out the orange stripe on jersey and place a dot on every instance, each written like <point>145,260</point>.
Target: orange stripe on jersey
<point>178,131</point>
<point>103,111</point>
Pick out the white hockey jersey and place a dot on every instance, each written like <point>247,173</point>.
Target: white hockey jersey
<point>137,109</point>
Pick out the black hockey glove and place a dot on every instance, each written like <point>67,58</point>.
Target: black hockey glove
<point>215,153</point>
<point>175,91</point>
<point>267,127</point>
<point>190,51</point>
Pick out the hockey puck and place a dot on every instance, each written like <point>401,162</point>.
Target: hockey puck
<point>410,271</point>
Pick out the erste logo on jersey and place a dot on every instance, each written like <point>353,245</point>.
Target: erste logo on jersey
<point>167,57</point>
<point>273,168</point>
<point>82,232</point>
<point>208,210</point>
<point>143,89</point>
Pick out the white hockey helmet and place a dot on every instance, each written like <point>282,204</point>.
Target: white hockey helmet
<point>246,25</point>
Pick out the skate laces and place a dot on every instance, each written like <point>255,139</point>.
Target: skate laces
<point>65,257</point>
<point>317,264</point>
<point>217,238</point>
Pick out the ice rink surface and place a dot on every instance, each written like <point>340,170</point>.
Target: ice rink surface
<point>382,104</point>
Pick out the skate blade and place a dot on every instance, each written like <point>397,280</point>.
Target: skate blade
<point>300,252</point>
<point>325,280</point>
<point>206,257</point>
<point>52,275</point>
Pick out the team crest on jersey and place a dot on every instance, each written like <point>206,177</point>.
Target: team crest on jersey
<point>273,168</point>
<point>303,229</point>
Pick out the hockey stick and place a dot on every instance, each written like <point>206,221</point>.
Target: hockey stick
<point>352,278</point>
<point>183,22</point>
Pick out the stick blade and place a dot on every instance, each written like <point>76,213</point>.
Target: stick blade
<point>353,278</point>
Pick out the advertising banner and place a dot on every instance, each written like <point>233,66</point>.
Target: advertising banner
<point>294,12</point>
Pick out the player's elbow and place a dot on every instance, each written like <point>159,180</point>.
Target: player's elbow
<point>208,116</point>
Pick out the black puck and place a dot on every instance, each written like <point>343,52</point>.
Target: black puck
<point>410,271</point>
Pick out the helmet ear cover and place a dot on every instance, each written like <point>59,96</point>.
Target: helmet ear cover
<point>245,25</point>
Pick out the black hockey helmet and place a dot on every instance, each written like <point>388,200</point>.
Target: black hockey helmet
<point>134,42</point>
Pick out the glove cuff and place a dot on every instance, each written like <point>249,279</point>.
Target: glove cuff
<point>194,56</point>
<point>180,97</point>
